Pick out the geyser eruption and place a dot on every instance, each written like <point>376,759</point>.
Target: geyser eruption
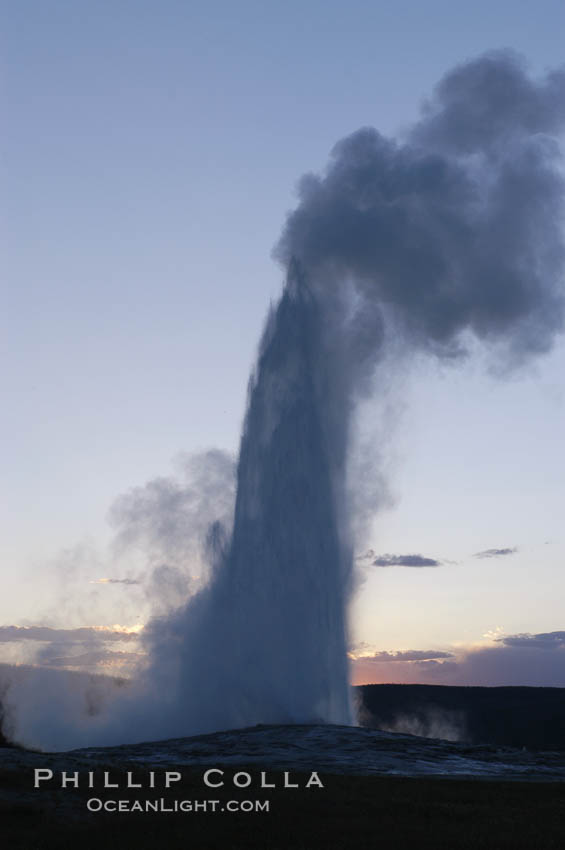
<point>453,233</point>
<point>290,559</point>
<point>266,640</point>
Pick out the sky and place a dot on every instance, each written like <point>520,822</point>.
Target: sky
<point>149,156</point>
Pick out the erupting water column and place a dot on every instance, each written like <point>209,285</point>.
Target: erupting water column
<point>288,564</point>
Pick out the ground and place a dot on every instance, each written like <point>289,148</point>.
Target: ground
<point>392,813</point>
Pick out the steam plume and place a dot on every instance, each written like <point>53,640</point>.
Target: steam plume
<point>457,229</point>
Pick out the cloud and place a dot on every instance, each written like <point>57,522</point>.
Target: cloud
<point>79,649</point>
<point>405,561</point>
<point>115,581</point>
<point>407,655</point>
<point>82,635</point>
<point>495,553</point>
<point>516,660</point>
<point>544,640</point>
<point>416,560</point>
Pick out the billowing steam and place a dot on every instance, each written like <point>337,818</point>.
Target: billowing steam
<point>453,233</point>
<point>460,228</point>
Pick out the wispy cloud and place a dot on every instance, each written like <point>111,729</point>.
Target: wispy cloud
<point>116,581</point>
<point>405,561</point>
<point>495,553</point>
<point>82,635</point>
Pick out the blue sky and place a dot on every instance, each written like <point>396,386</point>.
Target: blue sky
<point>150,153</point>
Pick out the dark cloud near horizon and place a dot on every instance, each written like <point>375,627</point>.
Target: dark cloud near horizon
<point>456,229</point>
<point>495,553</point>
<point>405,561</point>
<point>408,655</point>
<point>543,640</point>
<point>527,660</point>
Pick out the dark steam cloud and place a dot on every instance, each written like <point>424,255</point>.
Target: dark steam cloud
<point>495,553</point>
<point>405,561</point>
<point>459,227</point>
